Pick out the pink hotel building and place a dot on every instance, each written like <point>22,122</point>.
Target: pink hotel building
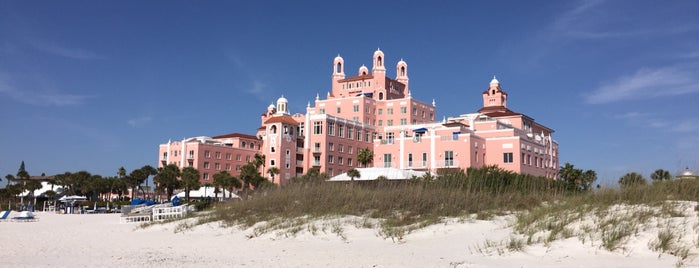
<point>371,110</point>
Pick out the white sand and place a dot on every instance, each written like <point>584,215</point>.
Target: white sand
<point>101,241</point>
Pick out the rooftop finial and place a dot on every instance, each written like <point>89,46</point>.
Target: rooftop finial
<point>494,82</point>
<point>317,96</point>
<point>434,104</point>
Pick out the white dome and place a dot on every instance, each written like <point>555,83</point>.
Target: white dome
<point>271,106</point>
<point>378,51</point>
<point>282,100</point>
<point>402,62</point>
<point>494,82</point>
<point>364,69</point>
<point>338,58</point>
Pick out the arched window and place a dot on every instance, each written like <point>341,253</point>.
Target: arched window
<point>273,129</point>
<point>380,95</point>
<point>493,91</point>
<point>242,144</point>
<point>363,72</point>
<point>402,70</point>
<point>339,68</point>
<point>379,61</point>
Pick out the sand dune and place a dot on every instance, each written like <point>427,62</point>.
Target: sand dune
<point>101,241</point>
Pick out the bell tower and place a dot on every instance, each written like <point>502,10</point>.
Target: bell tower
<point>494,96</point>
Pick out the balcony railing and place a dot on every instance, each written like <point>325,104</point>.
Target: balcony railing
<point>316,163</point>
<point>447,163</point>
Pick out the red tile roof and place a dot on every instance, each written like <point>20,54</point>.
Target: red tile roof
<point>235,135</point>
<point>356,78</point>
<point>282,119</point>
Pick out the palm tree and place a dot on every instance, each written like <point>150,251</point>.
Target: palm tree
<point>222,180</point>
<point>138,176</point>
<point>190,180</point>
<point>259,161</point>
<point>167,179</point>
<point>660,175</point>
<point>353,173</point>
<point>365,156</point>
<point>632,179</point>
<point>247,174</point>
<point>273,171</point>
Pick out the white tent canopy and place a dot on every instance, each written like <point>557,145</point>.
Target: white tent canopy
<point>72,198</point>
<point>370,174</point>
<point>207,192</point>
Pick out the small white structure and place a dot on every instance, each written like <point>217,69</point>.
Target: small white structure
<point>204,192</point>
<point>370,174</point>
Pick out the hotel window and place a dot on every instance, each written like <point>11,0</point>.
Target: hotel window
<point>380,111</point>
<point>389,122</point>
<point>349,133</point>
<point>191,154</point>
<point>359,135</point>
<point>317,127</point>
<point>380,122</point>
<point>423,114</point>
<point>529,160</point>
<point>237,167</point>
<point>331,146</point>
<point>206,165</point>
<point>349,149</point>
<point>316,147</point>
<point>228,167</point>
<point>403,110</point>
<point>349,161</point>
<point>330,159</point>
<point>410,159</point>
<point>387,160</point>
<point>252,145</point>
<point>247,158</point>
<point>341,130</point>
<point>272,162</point>
<point>417,137</point>
<point>448,158</point>
<point>205,176</point>
<point>414,111</point>
<point>424,159</point>
<point>431,116</point>
<point>507,158</point>
<point>355,108</point>
<point>340,148</point>
<point>389,137</point>
<point>237,157</point>
<point>228,156</point>
<point>300,129</point>
<point>339,160</point>
<point>217,166</point>
<point>355,118</point>
<point>367,137</point>
<point>243,144</point>
<point>321,111</point>
<point>207,154</point>
<point>403,121</point>
<point>338,110</point>
<point>523,162</point>
<point>536,161</point>
<point>389,110</point>
<point>331,128</point>
<point>218,155</point>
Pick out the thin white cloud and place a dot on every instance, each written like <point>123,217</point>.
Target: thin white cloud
<point>648,83</point>
<point>650,120</point>
<point>139,121</point>
<point>260,90</point>
<point>601,19</point>
<point>36,94</point>
<point>72,53</point>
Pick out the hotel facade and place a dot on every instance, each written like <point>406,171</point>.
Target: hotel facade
<point>373,111</point>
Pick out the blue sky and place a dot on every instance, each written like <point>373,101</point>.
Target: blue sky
<point>96,85</point>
